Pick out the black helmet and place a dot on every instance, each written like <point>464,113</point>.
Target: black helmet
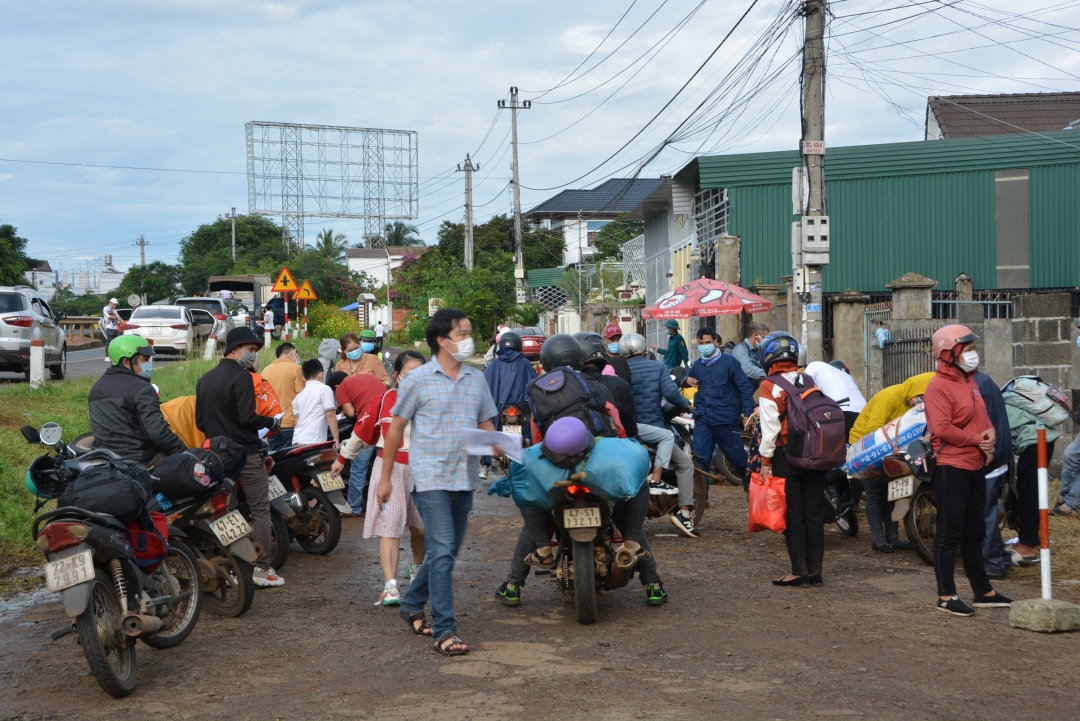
<point>775,347</point>
<point>593,348</point>
<point>509,339</point>
<point>561,349</point>
<point>840,365</point>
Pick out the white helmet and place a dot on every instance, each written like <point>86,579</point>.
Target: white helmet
<point>632,344</point>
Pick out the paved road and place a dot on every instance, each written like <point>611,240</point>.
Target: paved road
<point>81,364</point>
<point>728,644</point>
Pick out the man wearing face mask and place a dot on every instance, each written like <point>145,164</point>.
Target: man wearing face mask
<point>615,360</point>
<point>747,355</point>
<point>125,412</point>
<point>225,406</point>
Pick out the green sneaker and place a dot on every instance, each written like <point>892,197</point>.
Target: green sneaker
<point>410,572</point>
<point>509,594</point>
<point>655,595</point>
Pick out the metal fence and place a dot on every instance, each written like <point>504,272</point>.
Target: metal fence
<point>907,353</point>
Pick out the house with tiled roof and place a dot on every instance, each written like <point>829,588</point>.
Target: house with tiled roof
<point>971,116</point>
<point>379,262</point>
<point>580,214</point>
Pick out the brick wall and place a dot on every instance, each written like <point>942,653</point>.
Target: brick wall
<point>400,314</point>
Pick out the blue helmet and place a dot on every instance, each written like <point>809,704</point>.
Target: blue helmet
<point>775,347</point>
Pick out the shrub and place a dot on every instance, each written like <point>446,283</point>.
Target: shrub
<point>326,321</point>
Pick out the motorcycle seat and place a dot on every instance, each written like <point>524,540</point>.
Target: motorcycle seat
<point>113,522</point>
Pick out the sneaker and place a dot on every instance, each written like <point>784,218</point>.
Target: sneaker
<point>483,473</point>
<point>655,595</point>
<point>998,600</point>
<point>684,523</point>
<point>1019,560</point>
<point>391,596</point>
<point>659,488</point>
<point>509,594</point>
<point>266,578</point>
<point>410,572</point>
<point>1062,509</point>
<point>955,606</point>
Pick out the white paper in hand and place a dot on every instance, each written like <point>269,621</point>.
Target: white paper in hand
<point>479,443</point>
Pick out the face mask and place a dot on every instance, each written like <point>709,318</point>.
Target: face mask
<point>613,348</point>
<point>367,347</point>
<point>465,350</point>
<point>970,361</point>
<point>706,350</point>
<point>354,354</point>
<point>147,368</point>
<point>247,361</point>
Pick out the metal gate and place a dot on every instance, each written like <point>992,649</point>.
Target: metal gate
<point>907,353</point>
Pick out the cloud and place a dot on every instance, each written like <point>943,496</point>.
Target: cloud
<point>4,177</point>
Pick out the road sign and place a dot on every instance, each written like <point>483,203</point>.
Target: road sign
<point>306,292</point>
<point>284,282</point>
<point>813,147</point>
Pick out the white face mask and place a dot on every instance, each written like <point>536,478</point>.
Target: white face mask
<point>970,361</point>
<point>465,350</point>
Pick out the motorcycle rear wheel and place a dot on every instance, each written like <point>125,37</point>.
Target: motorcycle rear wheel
<point>330,524</point>
<point>180,618</point>
<point>234,595</point>
<point>279,540</point>
<point>584,582</point>
<point>110,654</point>
<point>920,522</point>
<point>848,523</point>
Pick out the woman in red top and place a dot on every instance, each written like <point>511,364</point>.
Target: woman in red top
<point>962,438</point>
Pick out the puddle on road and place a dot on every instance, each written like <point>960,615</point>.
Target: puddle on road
<point>12,607</point>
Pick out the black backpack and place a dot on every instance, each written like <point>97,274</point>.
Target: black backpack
<point>119,488</point>
<point>189,473</point>
<point>230,453</point>
<point>564,392</point>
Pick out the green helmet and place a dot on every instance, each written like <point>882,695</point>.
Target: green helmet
<point>126,346</point>
<point>367,333</point>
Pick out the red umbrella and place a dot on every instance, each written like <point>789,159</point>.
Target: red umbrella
<point>704,297</point>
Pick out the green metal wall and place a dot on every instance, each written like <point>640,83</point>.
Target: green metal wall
<point>1054,213</point>
<point>761,216</point>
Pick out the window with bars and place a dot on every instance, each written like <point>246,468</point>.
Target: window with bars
<point>710,214</point>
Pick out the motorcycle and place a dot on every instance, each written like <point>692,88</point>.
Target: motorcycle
<point>514,418</point>
<point>840,507</point>
<point>110,599</point>
<point>910,472</point>
<point>667,503</point>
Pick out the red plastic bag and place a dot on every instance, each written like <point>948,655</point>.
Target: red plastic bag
<point>768,504</point>
<point>150,545</point>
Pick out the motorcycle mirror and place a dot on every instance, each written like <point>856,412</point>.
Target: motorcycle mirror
<point>51,434</point>
<point>31,434</point>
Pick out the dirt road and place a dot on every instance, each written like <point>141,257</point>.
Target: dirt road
<point>727,645</point>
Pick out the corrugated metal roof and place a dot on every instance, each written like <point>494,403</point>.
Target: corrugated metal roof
<point>617,195</point>
<point>544,277</point>
<point>966,116</point>
<point>920,157</point>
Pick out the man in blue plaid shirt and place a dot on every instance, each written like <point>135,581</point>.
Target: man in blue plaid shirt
<point>439,399</point>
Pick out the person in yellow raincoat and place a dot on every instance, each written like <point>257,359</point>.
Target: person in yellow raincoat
<point>180,412</point>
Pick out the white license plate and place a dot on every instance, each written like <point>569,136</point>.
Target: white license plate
<point>153,330</point>
<point>276,489</point>
<point>581,518</point>
<point>230,527</point>
<point>516,430</point>
<point>70,571</point>
<point>329,482</point>
<point>901,488</point>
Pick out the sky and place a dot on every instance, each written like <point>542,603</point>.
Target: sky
<point>170,84</point>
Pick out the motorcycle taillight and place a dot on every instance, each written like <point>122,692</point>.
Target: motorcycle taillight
<point>328,456</point>
<point>511,412</point>
<point>576,490</point>
<point>219,505</point>
<point>62,534</point>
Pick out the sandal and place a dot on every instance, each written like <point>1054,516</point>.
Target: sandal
<point>535,559</point>
<point>446,649</point>
<point>424,629</point>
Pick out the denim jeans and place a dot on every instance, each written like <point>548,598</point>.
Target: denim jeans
<point>445,514</point>
<point>993,547</point>
<point>358,479</point>
<point>879,513</point>
<point>282,439</point>
<point>707,438</point>
<point>1070,475</point>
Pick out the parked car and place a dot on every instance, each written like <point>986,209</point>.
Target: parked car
<point>532,339</point>
<point>170,327</point>
<point>24,316</point>
<point>239,312</point>
<point>204,324</point>
<point>218,307</point>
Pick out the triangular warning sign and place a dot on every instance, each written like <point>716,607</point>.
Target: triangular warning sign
<point>306,292</point>
<point>284,282</point>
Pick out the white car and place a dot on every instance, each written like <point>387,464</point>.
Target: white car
<point>169,327</point>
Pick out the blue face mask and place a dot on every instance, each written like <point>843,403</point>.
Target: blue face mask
<point>706,350</point>
<point>147,368</point>
<point>354,354</point>
<point>613,348</point>
<point>367,347</point>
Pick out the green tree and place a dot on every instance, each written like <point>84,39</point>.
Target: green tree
<point>540,248</point>
<point>527,314</point>
<point>486,295</point>
<point>64,301</point>
<point>208,250</point>
<point>611,237</point>
<point>331,245</point>
<point>398,234</point>
<point>13,259</point>
<point>331,281</point>
<point>157,280</point>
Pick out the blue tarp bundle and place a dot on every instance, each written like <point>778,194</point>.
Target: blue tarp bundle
<point>615,470</point>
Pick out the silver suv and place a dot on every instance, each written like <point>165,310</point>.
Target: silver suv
<point>24,316</point>
<point>215,306</point>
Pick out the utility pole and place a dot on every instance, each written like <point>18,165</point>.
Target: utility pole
<point>234,235</point>
<point>813,234</point>
<point>519,262</point>
<point>468,170</point>
<point>142,243</point>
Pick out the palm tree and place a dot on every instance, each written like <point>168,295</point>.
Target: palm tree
<point>402,235</point>
<point>331,245</point>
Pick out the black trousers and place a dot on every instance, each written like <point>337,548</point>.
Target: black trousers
<point>1027,488</point>
<point>960,497</point>
<point>805,534</point>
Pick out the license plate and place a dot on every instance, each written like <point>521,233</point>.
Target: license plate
<point>231,527</point>
<point>516,430</point>
<point>70,571</point>
<point>276,489</point>
<point>581,518</point>
<point>901,488</point>
<point>153,330</point>
<point>330,483</point>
